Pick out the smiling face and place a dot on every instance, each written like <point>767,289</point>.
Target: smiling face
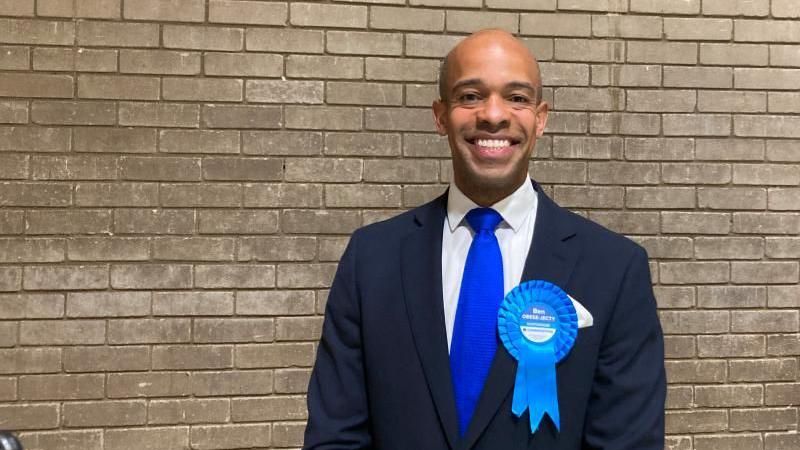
<point>491,114</point>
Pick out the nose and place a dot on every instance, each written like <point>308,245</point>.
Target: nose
<point>494,114</point>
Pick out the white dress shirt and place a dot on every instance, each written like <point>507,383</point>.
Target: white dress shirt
<point>514,234</point>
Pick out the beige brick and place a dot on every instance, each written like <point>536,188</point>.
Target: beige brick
<point>698,29</point>
<point>766,223</point>
<point>193,303</point>
<point>116,34</point>
<point>203,38</point>
<point>364,93</point>
<point>345,16</point>
<point>765,272</point>
<point>279,91</point>
<point>689,7</point>
<point>580,147</point>
<point>29,416</point>
<point>785,8</point>
<point>676,297</point>
<point>764,321</point>
<point>283,195</point>
<point>660,197</point>
<point>313,221</point>
<point>162,168</point>
<point>364,43</point>
<point>38,139</point>
<point>471,21</point>
<point>150,438</point>
<point>34,194</point>
<point>198,141</point>
<point>729,149</point>
<point>274,303</point>
<point>209,437</point>
<point>82,167</point>
<point>148,221</point>
<point>763,370</point>
<point>733,54</point>
<point>192,357</point>
<point>11,222</point>
<point>233,116</point>
<point>729,248</point>
<point>14,58</point>
<point>35,85</point>
<point>362,196</point>
<point>13,111</point>
<point>590,5</point>
<point>736,7</point>
<point>171,10</point>
<point>625,123</point>
<point>243,64</point>
<point>65,440</point>
<point>283,248</point>
<point>70,59</point>
<point>633,75</point>
<point>731,346</point>
<point>421,94</point>
<point>8,338</point>
<point>249,169</point>
<point>32,306</point>
<point>287,434</point>
<point>275,355</point>
<point>427,145</point>
<point>703,371</point>
<point>193,248</point>
<point>696,173</point>
<point>697,124</point>
<point>784,394</point>
<point>732,198</point>
<point>783,247</point>
<point>282,142</point>
<point>662,52</point>
<point>768,419</point>
<point>65,277</point>
<point>106,304</point>
<point>204,195</point>
<point>782,150</point>
<point>59,332</point>
<point>151,276</point>
<point>14,167</point>
<point>601,99</point>
<point>298,328</point>
<point>589,197</point>
<point>565,74</point>
<point>784,55</point>
<point>323,170</point>
<point>249,382</point>
<point>202,89</point>
<point>787,344</point>
<point>189,411</point>
<point>733,442</point>
<point>285,40</point>
<point>305,275</point>
<point>30,360</point>
<point>323,117</point>
<point>766,30</point>
<point>695,272</point>
<point>399,119</point>
<point>123,140</point>
<point>747,78</point>
<point>16,8</point>
<point>165,62</point>
<point>396,69</point>
<point>760,174</point>
<point>73,113</point>
<point>267,408</point>
<point>102,359</point>
<point>312,66</point>
<point>149,331</point>
<point>36,32</point>
<point>248,12</point>
<point>362,144</point>
<point>238,222</point>
<point>69,222</point>
<point>731,101</point>
<point>331,248</point>
<point>702,421</point>
<point>104,413</point>
<point>10,279</point>
<point>630,172</point>
<point>403,18</point>
<point>730,395</point>
<point>762,125</point>
<point>159,114</point>
<point>665,149</point>
<point>698,77</point>
<point>636,27</point>
<point>118,87</point>
<point>587,50</point>
<point>61,387</point>
<point>661,100</point>
<point>784,102</point>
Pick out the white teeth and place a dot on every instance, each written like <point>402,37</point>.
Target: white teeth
<point>497,143</point>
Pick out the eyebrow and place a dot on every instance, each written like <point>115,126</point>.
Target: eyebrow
<point>510,85</point>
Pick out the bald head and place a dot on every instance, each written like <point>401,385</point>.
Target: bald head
<point>479,43</point>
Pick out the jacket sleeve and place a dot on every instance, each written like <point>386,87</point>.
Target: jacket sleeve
<point>338,416</point>
<point>626,406</point>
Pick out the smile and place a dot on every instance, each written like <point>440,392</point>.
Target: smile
<point>493,143</point>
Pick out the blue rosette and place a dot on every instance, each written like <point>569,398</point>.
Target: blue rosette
<point>538,324</point>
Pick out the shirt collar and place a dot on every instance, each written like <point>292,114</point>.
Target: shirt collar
<point>514,209</point>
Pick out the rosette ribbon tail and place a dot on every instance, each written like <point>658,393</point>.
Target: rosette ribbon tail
<point>535,387</point>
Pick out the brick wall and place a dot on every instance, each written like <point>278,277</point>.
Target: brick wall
<point>179,178</point>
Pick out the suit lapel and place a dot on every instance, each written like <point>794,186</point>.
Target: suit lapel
<point>551,257</point>
<point>421,270</point>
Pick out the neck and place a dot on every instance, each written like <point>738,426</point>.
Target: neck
<point>486,196</point>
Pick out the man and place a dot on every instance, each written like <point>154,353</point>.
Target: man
<point>391,363</point>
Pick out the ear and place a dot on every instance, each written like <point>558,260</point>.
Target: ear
<point>541,117</point>
<point>440,116</point>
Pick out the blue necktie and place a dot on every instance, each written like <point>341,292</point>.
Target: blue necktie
<point>474,340</point>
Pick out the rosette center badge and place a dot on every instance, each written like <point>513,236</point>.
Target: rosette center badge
<point>538,324</point>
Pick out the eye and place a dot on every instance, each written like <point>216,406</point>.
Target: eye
<point>519,99</point>
<point>469,97</point>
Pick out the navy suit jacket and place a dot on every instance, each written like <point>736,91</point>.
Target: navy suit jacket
<point>382,377</point>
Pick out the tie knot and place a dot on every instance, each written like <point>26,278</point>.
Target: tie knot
<point>483,219</point>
